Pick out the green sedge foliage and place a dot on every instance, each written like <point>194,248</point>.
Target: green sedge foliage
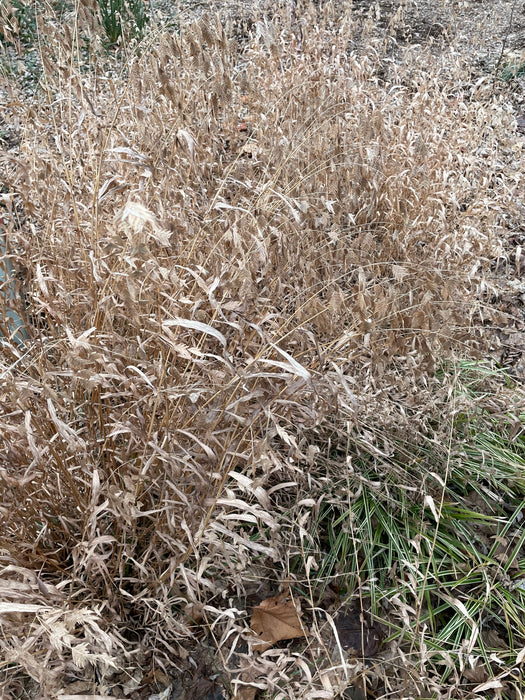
<point>123,19</point>
<point>451,555</point>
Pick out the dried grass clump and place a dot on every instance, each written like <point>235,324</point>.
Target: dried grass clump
<point>242,271</point>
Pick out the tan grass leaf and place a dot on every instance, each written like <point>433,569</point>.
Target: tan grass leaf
<point>296,367</point>
<point>463,610</point>
<point>399,272</point>
<point>276,619</point>
<point>161,235</point>
<point>196,326</point>
<point>184,136</point>
<point>490,685</point>
<point>136,216</point>
<point>22,608</point>
<point>429,501</point>
<point>74,441</point>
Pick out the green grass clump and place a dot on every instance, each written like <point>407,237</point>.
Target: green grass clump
<point>512,70</point>
<point>123,20</point>
<point>18,22</point>
<point>449,550</point>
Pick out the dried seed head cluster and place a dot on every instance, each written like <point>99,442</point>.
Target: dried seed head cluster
<point>239,263</point>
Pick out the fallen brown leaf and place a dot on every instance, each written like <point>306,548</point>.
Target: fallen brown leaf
<point>246,692</point>
<point>492,640</point>
<point>275,619</point>
<point>478,674</point>
<point>357,635</point>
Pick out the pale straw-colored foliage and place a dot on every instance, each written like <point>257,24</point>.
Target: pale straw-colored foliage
<point>243,266</point>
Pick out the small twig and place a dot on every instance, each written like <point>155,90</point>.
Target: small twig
<point>504,44</point>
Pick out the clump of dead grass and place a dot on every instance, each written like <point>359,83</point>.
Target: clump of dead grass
<point>243,268</point>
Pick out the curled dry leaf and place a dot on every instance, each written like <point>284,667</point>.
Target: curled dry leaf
<point>478,674</point>
<point>275,619</point>
<point>247,691</point>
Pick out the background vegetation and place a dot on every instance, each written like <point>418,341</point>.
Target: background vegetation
<point>258,283</point>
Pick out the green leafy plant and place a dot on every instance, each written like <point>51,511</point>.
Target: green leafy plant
<point>511,71</point>
<point>18,22</point>
<point>123,19</point>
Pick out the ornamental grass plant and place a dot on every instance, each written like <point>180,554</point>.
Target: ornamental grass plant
<point>258,294</point>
